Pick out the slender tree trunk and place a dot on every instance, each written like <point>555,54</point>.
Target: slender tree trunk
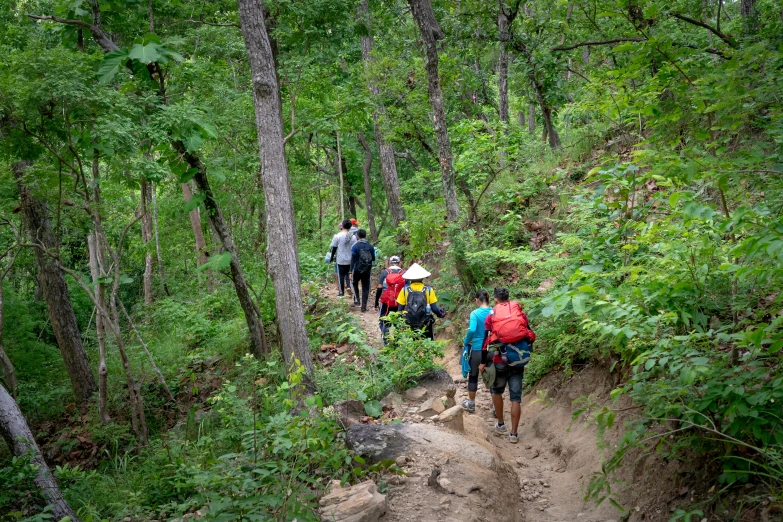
<point>340,173</point>
<point>100,327</point>
<point>431,33</point>
<point>202,255</point>
<point>146,235</point>
<point>154,189</point>
<point>17,434</point>
<point>221,230</point>
<point>367,187</point>
<point>391,182</point>
<point>546,112</point>
<point>281,227</point>
<point>9,373</point>
<point>531,118</point>
<point>503,64</point>
<point>55,290</point>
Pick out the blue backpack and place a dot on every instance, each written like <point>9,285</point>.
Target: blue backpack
<point>518,353</point>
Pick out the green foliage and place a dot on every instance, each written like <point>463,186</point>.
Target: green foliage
<point>19,496</point>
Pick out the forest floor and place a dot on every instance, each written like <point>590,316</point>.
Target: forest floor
<point>541,479</point>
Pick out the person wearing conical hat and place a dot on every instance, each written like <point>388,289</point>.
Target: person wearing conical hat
<point>418,301</point>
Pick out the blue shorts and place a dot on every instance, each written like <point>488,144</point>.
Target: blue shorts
<point>508,375</point>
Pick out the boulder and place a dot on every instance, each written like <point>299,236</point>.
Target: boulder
<point>350,412</point>
<point>452,418</point>
<point>377,442</point>
<point>392,400</point>
<point>431,407</point>
<point>359,503</point>
<point>436,379</point>
<point>449,399</point>
<point>416,394</point>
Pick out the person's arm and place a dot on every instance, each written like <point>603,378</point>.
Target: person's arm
<point>440,312</point>
<point>402,300</point>
<point>487,330</point>
<point>379,288</point>
<point>354,257</point>
<point>334,254</point>
<point>472,327</point>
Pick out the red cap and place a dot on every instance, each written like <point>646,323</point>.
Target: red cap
<point>354,222</point>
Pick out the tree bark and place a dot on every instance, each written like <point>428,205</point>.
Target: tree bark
<point>9,373</point>
<point>546,112</point>
<point>154,190</point>
<point>431,33</point>
<point>531,118</point>
<point>17,434</point>
<point>100,327</point>
<point>367,187</point>
<point>504,36</point>
<point>221,229</point>
<point>146,235</point>
<point>282,257</point>
<point>202,255</point>
<point>391,182</point>
<point>55,289</point>
<point>340,173</point>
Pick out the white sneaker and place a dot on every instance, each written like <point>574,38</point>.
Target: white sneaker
<point>513,438</point>
<point>500,428</point>
<point>469,405</point>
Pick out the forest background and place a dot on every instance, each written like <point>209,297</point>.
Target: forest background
<point>616,163</point>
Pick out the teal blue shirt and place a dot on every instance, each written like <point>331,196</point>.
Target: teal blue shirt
<point>475,335</point>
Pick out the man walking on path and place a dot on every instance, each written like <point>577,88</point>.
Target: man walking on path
<point>507,327</point>
<point>341,246</point>
<point>362,259</point>
<point>390,284</point>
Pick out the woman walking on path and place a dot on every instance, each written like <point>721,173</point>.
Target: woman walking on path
<point>473,353</point>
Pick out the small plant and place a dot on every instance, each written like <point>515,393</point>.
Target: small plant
<point>541,397</point>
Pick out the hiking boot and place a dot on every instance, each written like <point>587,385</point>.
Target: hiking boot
<point>469,406</point>
<point>364,309</point>
<point>500,428</point>
<point>513,438</point>
<point>340,295</point>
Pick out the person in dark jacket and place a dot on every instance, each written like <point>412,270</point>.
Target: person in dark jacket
<point>362,259</point>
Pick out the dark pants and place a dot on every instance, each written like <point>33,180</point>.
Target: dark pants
<point>385,310</point>
<point>364,277</point>
<point>477,358</point>
<point>344,275</point>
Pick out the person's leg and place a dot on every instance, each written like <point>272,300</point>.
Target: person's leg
<point>515,394</point>
<point>344,270</point>
<point>498,387</point>
<point>473,377</point>
<point>366,289</point>
<point>356,279</point>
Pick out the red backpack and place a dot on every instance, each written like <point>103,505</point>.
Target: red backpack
<point>394,285</point>
<point>509,324</point>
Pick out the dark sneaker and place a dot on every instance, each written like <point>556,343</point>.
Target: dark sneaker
<point>469,406</point>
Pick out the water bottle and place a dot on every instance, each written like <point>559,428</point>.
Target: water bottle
<point>504,355</point>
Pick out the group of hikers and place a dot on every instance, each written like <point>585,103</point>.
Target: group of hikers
<point>497,344</point>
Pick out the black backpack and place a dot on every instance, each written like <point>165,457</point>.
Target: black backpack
<point>364,264</point>
<point>417,312</point>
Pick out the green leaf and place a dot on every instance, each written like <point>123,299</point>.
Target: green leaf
<point>591,269</point>
<point>111,64</point>
<point>187,175</point>
<point>587,289</point>
<point>674,198</point>
<point>195,200</point>
<point>373,408</point>
<point>145,53</point>
<point>217,262</point>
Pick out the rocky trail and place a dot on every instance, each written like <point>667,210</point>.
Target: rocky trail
<point>459,470</point>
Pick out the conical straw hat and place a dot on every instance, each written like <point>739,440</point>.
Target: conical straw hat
<point>416,271</point>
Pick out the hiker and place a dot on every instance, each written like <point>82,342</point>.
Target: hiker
<point>362,259</point>
<point>473,353</point>
<point>507,328</point>
<point>390,284</point>
<point>341,246</point>
<point>418,301</point>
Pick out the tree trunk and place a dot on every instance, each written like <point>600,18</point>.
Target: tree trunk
<point>503,64</point>
<point>367,187</point>
<point>340,173</point>
<point>100,327</point>
<point>391,182</point>
<point>281,227</point>
<point>55,290</point>
<point>227,242</point>
<point>9,373</point>
<point>154,189</point>
<point>202,255</point>
<point>17,434</point>
<point>146,235</point>
<point>431,33</point>
<point>747,7</point>
<point>531,118</point>
<point>546,112</point>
